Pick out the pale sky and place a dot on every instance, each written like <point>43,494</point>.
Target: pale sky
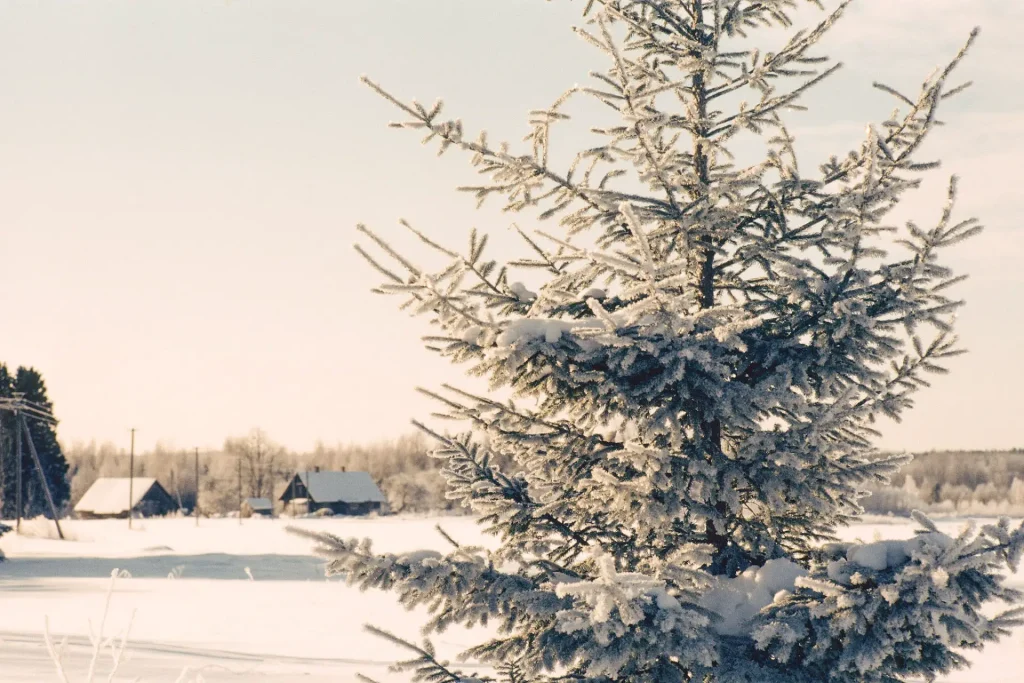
<point>180,181</point>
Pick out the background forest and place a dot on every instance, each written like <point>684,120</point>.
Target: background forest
<point>961,482</point>
<point>407,475</point>
<point>938,482</point>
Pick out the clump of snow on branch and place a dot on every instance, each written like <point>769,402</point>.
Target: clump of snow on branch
<point>739,599</point>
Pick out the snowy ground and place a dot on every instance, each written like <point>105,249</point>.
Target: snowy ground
<point>197,608</point>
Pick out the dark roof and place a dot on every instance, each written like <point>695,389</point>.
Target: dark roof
<point>340,487</point>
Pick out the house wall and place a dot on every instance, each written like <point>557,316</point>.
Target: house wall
<point>295,490</point>
<point>156,504</point>
<point>354,509</point>
<point>152,508</point>
<point>91,515</point>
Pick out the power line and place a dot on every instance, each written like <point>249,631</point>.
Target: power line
<point>195,505</point>
<point>131,479</point>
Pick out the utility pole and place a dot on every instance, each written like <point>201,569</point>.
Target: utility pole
<point>3,463</point>
<point>195,507</point>
<point>131,479</point>
<point>239,489</point>
<point>292,501</point>
<point>18,468</point>
<point>42,476</point>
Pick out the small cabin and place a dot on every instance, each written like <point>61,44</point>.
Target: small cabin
<point>259,507</point>
<point>343,493</point>
<point>108,497</point>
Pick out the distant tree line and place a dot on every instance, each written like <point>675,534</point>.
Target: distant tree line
<point>402,467</point>
<point>29,383</point>
<point>963,482</point>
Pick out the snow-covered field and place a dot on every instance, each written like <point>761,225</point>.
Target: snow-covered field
<point>248,602</point>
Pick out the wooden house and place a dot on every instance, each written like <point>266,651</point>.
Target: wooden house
<point>343,493</point>
<point>261,507</point>
<point>108,497</point>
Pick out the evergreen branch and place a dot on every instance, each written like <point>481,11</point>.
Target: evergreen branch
<point>638,128</point>
<point>501,484</point>
<point>774,104</point>
<point>549,262</point>
<point>425,665</point>
<point>451,134</point>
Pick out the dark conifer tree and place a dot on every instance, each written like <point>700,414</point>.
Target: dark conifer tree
<point>29,382</point>
<point>7,465</point>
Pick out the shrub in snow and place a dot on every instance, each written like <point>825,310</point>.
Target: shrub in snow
<point>43,527</point>
<point>113,646</point>
<point>686,443</point>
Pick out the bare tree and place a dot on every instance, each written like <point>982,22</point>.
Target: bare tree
<point>262,461</point>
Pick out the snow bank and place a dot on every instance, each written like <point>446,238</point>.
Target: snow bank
<point>740,599</point>
<point>213,616</point>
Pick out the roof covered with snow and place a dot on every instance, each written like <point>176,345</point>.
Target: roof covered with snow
<point>109,495</point>
<point>259,503</point>
<point>341,487</point>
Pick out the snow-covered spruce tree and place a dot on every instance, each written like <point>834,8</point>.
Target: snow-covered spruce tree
<point>696,380</point>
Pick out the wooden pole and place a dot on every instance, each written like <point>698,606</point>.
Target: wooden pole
<point>294,476</point>
<point>195,506</point>
<point>42,475</point>
<point>3,461</point>
<point>239,489</point>
<point>131,479</point>
<point>17,460</point>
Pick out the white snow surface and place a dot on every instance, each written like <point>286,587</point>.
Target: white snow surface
<point>195,605</point>
<point>109,495</point>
